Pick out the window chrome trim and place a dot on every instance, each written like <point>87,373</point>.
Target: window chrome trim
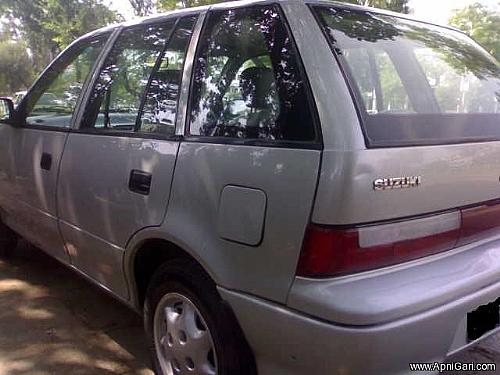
<point>182,106</point>
<point>254,142</point>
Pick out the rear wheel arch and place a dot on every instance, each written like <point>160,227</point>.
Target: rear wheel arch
<point>147,257</point>
<point>186,279</point>
<point>147,263</point>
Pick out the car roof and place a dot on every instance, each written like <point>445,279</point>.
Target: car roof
<point>242,3</point>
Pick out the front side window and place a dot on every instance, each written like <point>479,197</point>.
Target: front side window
<point>247,80</point>
<point>116,97</point>
<point>138,86</point>
<point>415,83</point>
<point>53,99</point>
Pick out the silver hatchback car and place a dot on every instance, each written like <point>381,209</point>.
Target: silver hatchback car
<point>281,187</point>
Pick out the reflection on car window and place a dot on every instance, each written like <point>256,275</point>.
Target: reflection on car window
<point>247,82</point>
<point>457,90</point>
<point>4,110</point>
<point>160,107</point>
<point>244,101</point>
<point>116,97</point>
<point>53,100</point>
<point>378,81</point>
<point>18,96</point>
<point>447,58</point>
<point>417,83</point>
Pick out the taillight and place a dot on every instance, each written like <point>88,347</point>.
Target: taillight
<point>331,251</point>
<point>480,222</point>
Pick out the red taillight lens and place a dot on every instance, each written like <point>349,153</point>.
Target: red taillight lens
<point>329,251</point>
<point>480,222</point>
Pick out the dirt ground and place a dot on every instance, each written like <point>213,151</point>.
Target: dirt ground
<point>52,322</point>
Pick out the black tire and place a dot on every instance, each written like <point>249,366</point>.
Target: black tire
<point>8,240</point>
<point>187,278</point>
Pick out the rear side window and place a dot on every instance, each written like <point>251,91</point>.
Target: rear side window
<point>248,82</point>
<point>415,83</point>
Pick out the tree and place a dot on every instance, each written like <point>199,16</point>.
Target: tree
<point>394,5</point>
<point>142,7</point>
<point>16,67</point>
<point>70,19</point>
<point>176,4</point>
<point>400,6</point>
<point>48,26</point>
<point>482,24</point>
<point>24,18</point>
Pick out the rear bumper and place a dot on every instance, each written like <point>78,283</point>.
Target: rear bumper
<point>372,323</point>
<point>392,293</point>
<point>287,342</point>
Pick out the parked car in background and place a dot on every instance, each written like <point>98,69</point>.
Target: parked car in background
<point>301,187</point>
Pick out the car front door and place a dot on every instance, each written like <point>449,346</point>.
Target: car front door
<point>118,164</point>
<point>31,149</point>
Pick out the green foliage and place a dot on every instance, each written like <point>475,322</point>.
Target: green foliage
<point>48,26</point>
<point>70,19</point>
<point>16,67</point>
<point>394,5</point>
<point>142,7</point>
<point>25,20</point>
<point>480,23</point>
<point>400,6</point>
<point>177,4</point>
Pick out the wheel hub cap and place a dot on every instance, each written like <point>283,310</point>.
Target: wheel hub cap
<point>183,341</point>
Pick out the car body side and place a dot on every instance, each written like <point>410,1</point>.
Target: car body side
<point>330,185</point>
<point>272,270</point>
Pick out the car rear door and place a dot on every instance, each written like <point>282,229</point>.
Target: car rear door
<point>118,164</point>
<point>31,150</point>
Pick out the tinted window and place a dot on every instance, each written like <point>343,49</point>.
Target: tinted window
<point>160,106</point>
<point>53,100</point>
<point>378,81</point>
<point>247,81</point>
<point>116,97</point>
<point>416,83</point>
<point>4,110</point>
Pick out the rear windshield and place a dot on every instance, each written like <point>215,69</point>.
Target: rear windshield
<point>415,83</point>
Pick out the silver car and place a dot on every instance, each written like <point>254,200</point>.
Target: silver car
<point>279,187</point>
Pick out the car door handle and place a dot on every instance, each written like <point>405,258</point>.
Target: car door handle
<point>140,182</point>
<point>46,161</point>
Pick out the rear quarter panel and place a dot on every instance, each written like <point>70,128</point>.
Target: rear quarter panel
<point>287,177</point>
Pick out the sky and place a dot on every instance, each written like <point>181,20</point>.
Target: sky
<point>437,11</point>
